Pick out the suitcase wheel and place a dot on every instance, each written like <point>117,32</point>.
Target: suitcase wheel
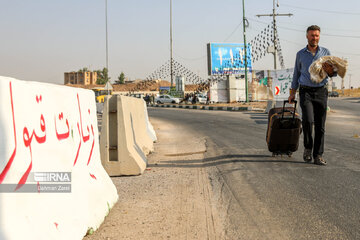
<point>289,154</point>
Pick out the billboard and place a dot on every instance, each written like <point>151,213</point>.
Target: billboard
<point>171,91</point>
<point>228,58</point>
<point>164,90</point>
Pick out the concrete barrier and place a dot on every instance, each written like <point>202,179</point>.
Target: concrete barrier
<point>149,127</point>
<point>135,107</point>
<point>124,141</point>
<point>52,183</point>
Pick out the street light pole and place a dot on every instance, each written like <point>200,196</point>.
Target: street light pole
<point>171,46</point>
<point>107,53</point>
<point>245,52</point>
<point>349,81</point>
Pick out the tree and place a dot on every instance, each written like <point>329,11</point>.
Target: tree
<point>84,69</point>
<point>102,76</point>
<point>121,79</point>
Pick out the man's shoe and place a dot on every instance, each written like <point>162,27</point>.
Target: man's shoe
<point>307,155</point>
<point>319,160</point>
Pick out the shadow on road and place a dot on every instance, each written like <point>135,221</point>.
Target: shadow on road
<point>224,159</point>
<point>260,118</point>
<point>352,99</point>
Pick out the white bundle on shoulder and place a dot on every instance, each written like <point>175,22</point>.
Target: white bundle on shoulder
<point>318,74</point>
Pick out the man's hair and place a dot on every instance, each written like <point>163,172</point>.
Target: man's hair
<point>313,28</point>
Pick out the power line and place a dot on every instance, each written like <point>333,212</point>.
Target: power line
<point>262,22</point>
<point>321,10</point>
<point>291,29</point>
<point>327,29</point>
<point>335,35</point>
<point>303,44</point>
<point>323,34</point>
<point>190,59</point>
<point>297,30</point>
<point>204,56</point>
<point>299,44</point>
<point>350,54</point>
<point>233,32</point>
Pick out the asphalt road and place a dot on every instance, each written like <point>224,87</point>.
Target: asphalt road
<point>265,197</point>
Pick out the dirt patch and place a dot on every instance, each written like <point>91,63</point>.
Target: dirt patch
<point>349,92</point>
<point>171,200</point>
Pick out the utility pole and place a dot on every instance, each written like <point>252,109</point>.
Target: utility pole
<point>171,47</point>
<point>274,15</point>
<point>245,51</point>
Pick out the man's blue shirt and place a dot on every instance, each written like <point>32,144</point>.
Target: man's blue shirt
<point>304,59</point>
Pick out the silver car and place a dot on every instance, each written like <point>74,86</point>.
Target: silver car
<point>166,99</point>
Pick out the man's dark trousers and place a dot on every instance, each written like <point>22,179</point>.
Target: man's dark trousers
<point>313,102</point>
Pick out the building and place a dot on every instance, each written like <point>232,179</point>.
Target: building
<point>82,78</point>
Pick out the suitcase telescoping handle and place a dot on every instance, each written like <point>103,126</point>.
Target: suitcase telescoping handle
<point>287,101</point>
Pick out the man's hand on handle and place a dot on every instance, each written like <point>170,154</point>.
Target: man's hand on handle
<point>292,95</point>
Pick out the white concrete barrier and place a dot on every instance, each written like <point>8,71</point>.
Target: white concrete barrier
<point>124,140</point>
<point>135,107</point>
<point>149,127</point>
<point>52,183</point>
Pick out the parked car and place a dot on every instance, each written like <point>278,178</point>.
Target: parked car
<point>166,99</point>
<point>200,98</point>
<point>333,94</point>
<point>137,95</point>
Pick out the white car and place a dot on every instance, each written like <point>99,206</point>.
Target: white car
<point>166,99</point>
<point>200,98</point>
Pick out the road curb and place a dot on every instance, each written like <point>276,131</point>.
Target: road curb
<point>208,107</point>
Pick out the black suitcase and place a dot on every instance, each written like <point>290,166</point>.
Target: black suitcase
<point>284,129</point>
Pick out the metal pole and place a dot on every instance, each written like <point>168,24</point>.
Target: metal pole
<point>245,52</point>
<point>349,81</point>
<point>274,30</point>
<point>107,53</point>
<point>171,46</point>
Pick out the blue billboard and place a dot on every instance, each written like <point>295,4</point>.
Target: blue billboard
<point>228,58</point>
<point>164,90</point>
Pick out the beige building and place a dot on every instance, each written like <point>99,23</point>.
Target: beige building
<point>82,78</point>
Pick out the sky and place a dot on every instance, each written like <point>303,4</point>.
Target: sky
<point>42,39</point>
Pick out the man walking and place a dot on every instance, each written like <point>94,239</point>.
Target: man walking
<point>313,96</point>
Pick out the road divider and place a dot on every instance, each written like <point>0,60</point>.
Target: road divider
<point>149,127</point>
<point>125,140</point>
<point>52,183</point>
<point>207,107</point>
